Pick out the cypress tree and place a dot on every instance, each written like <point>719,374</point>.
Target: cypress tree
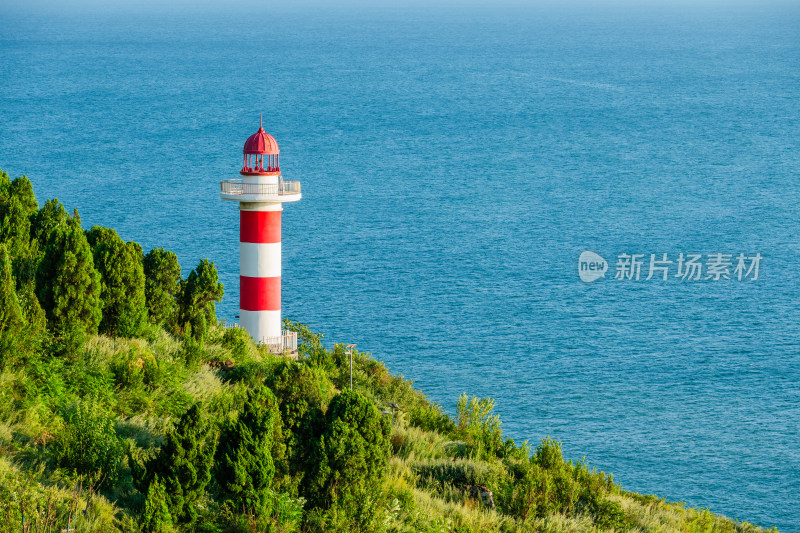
<point>198,293</point>
<point>15,231</point>
<point>5,193</point>
<point>11,319</point>
<point>122,276</point>
<point>31,310</point>
<point>16,228</point>
<point>67,284</point>
<point>22,189</point>
<point>156,517</point>
<point>302,392</point>
<point>22,321</point>
<point>246,464</point>
<point>162,274</point>
<point>183,465</point>
<point>348,461</point>
<point>49,217</point>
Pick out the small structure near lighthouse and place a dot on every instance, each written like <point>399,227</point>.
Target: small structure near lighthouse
<point>261,193</point>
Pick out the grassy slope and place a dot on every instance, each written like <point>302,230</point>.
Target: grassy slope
<point>425,478</point>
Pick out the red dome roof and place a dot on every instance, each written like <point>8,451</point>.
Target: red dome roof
<point>261,143</point>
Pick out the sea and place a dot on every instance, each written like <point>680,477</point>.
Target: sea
<point>456,161</point>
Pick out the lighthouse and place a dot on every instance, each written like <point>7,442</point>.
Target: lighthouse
<point>261,193</point>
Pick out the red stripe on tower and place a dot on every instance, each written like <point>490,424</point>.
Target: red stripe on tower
<point>260,294</point>
<point>260,226</point>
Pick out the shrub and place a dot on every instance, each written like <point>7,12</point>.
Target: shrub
<point>478,426</point>
<point>281,514</point>
<point>128,368</point>
<point>88,444</point>
<point>431,418</point>
<point>192,352</point>
<point>607,514</point>
<point>309,344</point>
<point>239,342</point>
<point>548,454</point>
<point>545,485</point>
<point>455,473</point>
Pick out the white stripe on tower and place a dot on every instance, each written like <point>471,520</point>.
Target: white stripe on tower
<point>260,260</point>
<point>260,270</point>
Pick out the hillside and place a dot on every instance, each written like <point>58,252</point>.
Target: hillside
<point>126,406</point>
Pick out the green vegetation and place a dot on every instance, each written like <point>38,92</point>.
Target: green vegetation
<point>162,280</point>
<point>68,286</point>
<point>122,274</point>
<point>248,451</point>
<point>126,406</point>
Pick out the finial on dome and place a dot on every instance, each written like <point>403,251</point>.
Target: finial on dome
<point>261,142</point>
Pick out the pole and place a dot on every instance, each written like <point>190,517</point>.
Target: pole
<point>349,348</point>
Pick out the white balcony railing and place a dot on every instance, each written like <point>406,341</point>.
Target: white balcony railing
<point>285,343</point>
<point>239,188</point>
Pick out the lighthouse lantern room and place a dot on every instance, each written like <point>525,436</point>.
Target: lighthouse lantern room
<point>261,193</point>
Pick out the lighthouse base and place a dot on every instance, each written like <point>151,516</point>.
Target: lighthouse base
<point>263,326</point>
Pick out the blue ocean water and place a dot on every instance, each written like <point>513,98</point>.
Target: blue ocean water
<point>454,166</point>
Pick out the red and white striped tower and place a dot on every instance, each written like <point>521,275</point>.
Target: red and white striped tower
<point>260,192</point>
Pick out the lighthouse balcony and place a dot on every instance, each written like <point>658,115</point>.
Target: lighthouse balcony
<point>239,191</point>
<point>285,344</point>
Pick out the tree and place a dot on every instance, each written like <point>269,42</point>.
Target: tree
<point>302,391</point>
<point>34,333</point>
<point>348,464</point>
<point>51,215</point>
<point>22,321</point>
<point>250,446</point>
<point>15,231</point>
<point>122,276</point>
<point>11,318</point>
<point>5,192</point>
<point>16,228</point>
<point>162,274</point>
<point>22,189</point>
<point>198,293</point>
<point>67,284</point>
<point>156,517</point>
<point>183,465</point>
